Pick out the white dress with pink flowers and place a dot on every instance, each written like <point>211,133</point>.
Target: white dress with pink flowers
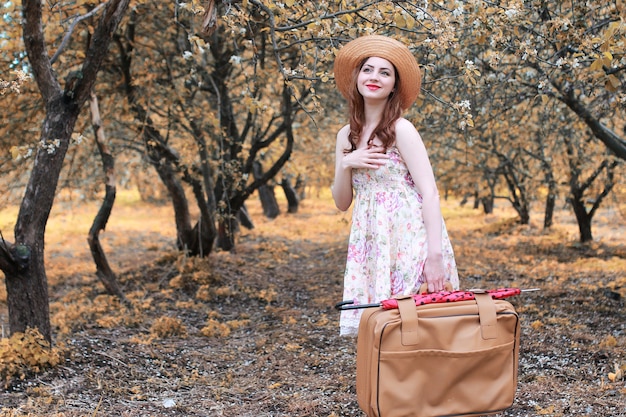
<point>387,247</point>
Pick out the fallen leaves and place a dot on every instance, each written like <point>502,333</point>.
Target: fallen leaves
<point>618,373</point>
<point>263,341</point>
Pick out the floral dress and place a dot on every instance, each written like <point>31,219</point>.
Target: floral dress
<point>387,247</point>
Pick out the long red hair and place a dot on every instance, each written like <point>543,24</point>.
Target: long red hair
<point>385,131</point>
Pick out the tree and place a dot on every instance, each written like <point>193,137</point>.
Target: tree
<point>229,112</point>
<point>205,106</point>
<point>584,190</point>
<point>23,261</point>
<point>531,70</point>
<point>103,269</point>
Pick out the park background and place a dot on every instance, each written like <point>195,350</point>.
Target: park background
<point>176,161</point>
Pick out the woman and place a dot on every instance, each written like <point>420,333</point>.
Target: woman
<point>398,240</point>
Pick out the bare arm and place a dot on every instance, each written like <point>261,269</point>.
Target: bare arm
<point>372,157</point>
<point>413,151</point>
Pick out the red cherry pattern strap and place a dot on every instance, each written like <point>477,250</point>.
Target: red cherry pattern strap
<point>451,296</point>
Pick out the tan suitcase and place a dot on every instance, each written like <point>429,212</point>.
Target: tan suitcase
<point>445,359</point>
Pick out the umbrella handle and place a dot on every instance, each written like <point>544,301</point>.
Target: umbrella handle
<point>349,305</point>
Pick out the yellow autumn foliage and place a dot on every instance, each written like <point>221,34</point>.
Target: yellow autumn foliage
<point>167,327</point>
<point>25,353</point>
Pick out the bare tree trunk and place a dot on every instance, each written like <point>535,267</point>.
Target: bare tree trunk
<point>582,218</point>
<point>244,218</point>
<point>577,201</point>
<point>204,232</point>
<point>227,228</point>
<point>578,189</point>
<point>23,262</point>
<point>268,201</point>
<point>550,198</point>
<point>546,167</point>
<point>266,194</point>
<point>291,195</point>
<point>517,190</point>
<point>487,203</point>
<point>549,211</point>
<point>27,287</point>
<point>476,200</point>
<point>103,269</point>
<point>300,187</point>
<point>182,217</point>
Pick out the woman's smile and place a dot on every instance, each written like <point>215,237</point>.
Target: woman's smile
<point>376,78</point>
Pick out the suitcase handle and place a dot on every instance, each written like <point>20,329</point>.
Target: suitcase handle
<point>488,315</point>
<point>409,322</point>
<point>409,318</point>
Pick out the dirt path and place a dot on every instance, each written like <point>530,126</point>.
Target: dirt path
<point>254,334</point>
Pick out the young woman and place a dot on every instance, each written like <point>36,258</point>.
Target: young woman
<point>398,240</point>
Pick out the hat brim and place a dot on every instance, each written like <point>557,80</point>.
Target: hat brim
<point>354,52</point>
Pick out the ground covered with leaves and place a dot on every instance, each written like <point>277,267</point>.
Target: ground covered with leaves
<point>254,332</point>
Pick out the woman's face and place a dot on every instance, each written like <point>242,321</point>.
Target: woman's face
<point>376,79</point>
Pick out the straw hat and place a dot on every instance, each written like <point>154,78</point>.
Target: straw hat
<point>355,51</point>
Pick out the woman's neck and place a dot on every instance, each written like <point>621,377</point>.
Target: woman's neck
<point>373,116</point>
<point>373,113</point>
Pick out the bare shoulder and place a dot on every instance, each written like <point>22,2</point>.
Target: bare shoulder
<point>344,131</point>
<point>342,136</point>
<point>406,133</point>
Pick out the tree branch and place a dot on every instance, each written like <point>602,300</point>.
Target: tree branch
<point>68,34</point>
<point>35,45</point>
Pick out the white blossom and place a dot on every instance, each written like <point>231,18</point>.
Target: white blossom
<point>50,146</point>
<point>463,106</point>
<point>78,138</point>
<point>511,13</point>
